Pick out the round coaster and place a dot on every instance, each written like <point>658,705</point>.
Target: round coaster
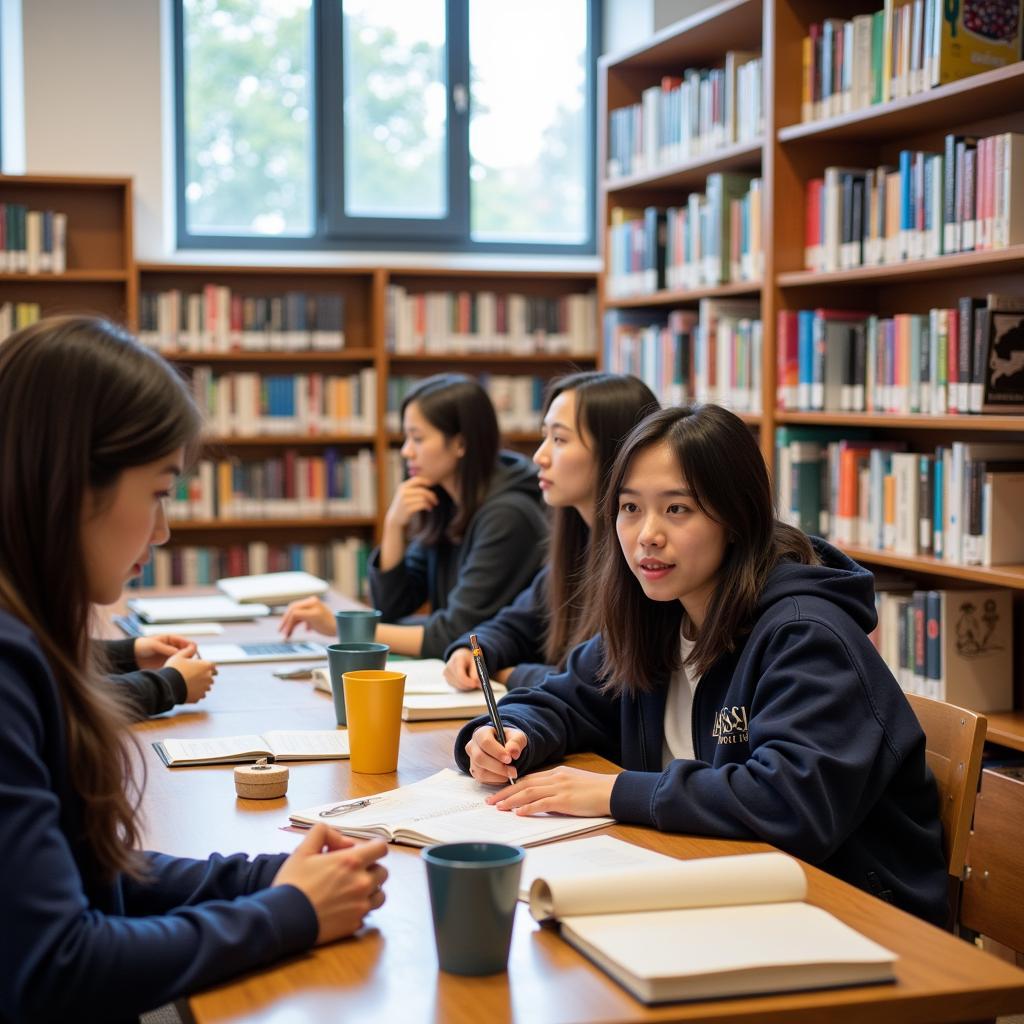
<point>261,781</point>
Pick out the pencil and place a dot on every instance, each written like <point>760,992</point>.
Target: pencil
<point>485,685</point>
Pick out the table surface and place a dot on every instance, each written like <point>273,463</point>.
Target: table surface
<point>389,971</point>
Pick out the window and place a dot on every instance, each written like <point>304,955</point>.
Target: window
<point>426,124</point>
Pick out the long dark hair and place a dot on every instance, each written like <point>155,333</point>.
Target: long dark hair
<point>457,406</point>
<point>608,406</point>
<point>726,474</point>
<point>80,401</point>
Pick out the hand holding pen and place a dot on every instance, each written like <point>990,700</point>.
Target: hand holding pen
<point>491,756</point>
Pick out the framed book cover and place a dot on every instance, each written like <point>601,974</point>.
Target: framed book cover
<point>1004,361</point>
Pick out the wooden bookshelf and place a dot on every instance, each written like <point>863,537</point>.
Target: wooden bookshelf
<point>793,152</point>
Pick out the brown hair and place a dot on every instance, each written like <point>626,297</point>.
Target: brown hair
<point>641,637</point>
<point>457,406</point>
<point>608,406</point>
<point>80,401</point>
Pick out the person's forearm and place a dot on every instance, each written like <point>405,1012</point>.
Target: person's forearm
<point>406,640</point>
<point>392,547</point>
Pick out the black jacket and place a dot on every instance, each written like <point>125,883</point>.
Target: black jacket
<point>150,691</point>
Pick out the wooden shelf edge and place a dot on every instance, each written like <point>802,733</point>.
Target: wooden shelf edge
<point>455,358</point>
<point>212,525</point>
<point>301,356</point>
<point>671,295</point>
<point>1011,576</point>
<point>1006,728</point>
<point>704,163</point>
<point>70,277</point>
<point>937,266</point>
<point>293,440</point>
<point>883,420</point>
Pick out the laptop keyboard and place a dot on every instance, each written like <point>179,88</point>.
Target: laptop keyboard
<point>262,650</point>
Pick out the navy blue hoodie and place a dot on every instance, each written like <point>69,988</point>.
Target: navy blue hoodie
<point>76,947</point>
<point>802,739</point>
<point>468,582</point>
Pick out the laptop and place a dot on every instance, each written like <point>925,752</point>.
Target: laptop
<point>261,650</point>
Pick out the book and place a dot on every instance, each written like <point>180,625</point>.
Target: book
<point>187,609</point>
<point>1002,368</point>
<point>272,588</point>
<point>669,929</point>
<point>446,807</point>
<point>277,745</point>
<point>976,656</point>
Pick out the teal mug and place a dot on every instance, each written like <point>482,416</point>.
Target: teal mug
<point>351,657</point>
<point>357,626</point>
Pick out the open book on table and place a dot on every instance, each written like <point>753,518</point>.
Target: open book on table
<point>669,929</point>
<point>447,807</point>
<point>427,695</point>
<point>279,745</point>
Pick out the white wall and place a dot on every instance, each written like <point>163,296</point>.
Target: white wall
<point>629,23</point>
<point>93,99</point>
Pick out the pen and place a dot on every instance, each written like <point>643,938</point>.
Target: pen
<point>485,685</point>
<point>348,805</point>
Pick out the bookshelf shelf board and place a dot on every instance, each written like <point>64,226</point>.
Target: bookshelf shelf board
<point>952,265</point>
<point>690,173</point>
<point>71,277</point>
<point>492,358</point>
<point>507,437</point>
<point>187,525</point>
<point>671,296</point>
<point>1011,576</point>
<point>352,355</point>
<point>1006,727</point>
<point>286,440</point>
<point>989,94</point>
<point>215,270</point>
<point>889,420</point>
<point>701,38</point>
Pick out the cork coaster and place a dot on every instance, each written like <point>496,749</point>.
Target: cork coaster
<point>261,781</point>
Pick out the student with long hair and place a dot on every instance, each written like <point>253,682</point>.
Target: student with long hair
<point>93,431</point>
<point>733,680</point>
<point>464,532</point>
<point>586,416</point>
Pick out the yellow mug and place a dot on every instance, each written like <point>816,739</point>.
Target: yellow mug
<point>373,708</point>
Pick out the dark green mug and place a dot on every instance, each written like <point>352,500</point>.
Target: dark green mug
<point>351,657</point>
<point>357,626</point>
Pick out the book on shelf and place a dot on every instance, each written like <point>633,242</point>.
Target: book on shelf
<point>32,241</point>
<point>950,645</point>
<point>727,360</point>
<point>446,807</point>
<point>264,404</point>
<point>1003,356</point>
<point>686,115</point>
<point>285,486</point>
<point>467,322</point>
<point>219,319</point>
<point>276,745</point>
<point>906,48</point>
<point>342,561</point>
<point>654,347</point>
<point>669,929</point>
<point>16,315</point>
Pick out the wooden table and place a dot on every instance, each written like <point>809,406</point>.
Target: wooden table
<point>389,972</point>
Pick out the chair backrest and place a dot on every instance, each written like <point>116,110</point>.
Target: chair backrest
<point>954,738</point>
<point>993,891</point>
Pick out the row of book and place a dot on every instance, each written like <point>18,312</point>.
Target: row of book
<point>32,241</point>
<point>713,355</point>
<point>484,321</point>
<point>968,198</point>
<point>964,359</point>
<point>950,645</point>
<point>714,239</point>
<point>958,503</point>
<point>907,47</point>
<point>517,398</point>
<point>15,315</point>
<point>688,115</point>
<point>343,562</point>
<point>248,404</point>
<point>285,486</point>
<point>218,319</point>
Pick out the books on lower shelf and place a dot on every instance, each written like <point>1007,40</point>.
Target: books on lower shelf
<point>950,645</point>
<point>669,929</point>
<point>447,807</point>
<point>283,486</point>
<point>278,745</point>
<point>517,399</point>
<point>15,315</point>
<point>467,321</point>
<point>32,241</point>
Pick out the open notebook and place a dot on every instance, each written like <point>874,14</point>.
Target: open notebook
<point>671,930</point>
<point>279,745</point>
<point>445,808</point>
<point>427,695</point>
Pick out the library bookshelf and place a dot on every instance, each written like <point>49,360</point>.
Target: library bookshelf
<point>790,153</point>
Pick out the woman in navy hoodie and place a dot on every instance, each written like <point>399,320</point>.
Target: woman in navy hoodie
<point>733,680</point>
<point>93,431</point>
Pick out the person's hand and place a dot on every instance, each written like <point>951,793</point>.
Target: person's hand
<point>460,672</point>
<point>413,495</point>
<point>153,651</point>
<point>313,612</point>
<point>339,876</point>
<point>561,790</point>
<point>489,761</point>
<point>198,674</point>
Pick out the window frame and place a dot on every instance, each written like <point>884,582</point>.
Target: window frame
<point>333,230</point>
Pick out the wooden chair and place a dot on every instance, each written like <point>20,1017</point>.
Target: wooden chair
<point>954,738</point>
<point>992,899</point>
